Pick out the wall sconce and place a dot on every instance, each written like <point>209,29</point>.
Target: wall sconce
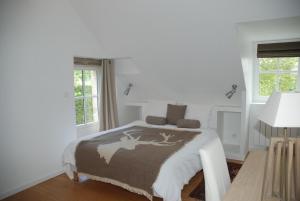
<point>230,93</point>
<point>127,90</point>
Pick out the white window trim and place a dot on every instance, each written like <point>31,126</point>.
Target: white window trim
<point>99,78</point>
<point>256,72</point>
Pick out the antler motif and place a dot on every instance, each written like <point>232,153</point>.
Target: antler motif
<point>129,142</point>
<point>165,141</point>
<point>129,134</point>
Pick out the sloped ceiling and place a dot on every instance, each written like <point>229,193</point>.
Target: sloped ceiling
<point>183,49</point>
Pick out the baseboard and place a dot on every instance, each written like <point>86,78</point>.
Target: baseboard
<point>30,184</point>
<point>232,156</point>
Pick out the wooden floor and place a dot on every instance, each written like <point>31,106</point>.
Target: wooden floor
<point>61,188</point>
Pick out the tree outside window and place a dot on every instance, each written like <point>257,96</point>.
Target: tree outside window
<point>277,74</point>
<point>86,96</point>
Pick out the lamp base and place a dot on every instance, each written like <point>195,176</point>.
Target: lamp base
<point>282,195</point>
<point>283,187</point>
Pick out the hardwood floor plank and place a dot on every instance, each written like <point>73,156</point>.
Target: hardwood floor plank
<point>61,188</point>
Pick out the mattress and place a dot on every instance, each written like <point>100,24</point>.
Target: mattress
<point>175,172</point>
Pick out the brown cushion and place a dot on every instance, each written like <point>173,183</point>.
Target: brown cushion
<point>174,113</point>
<point>156,120</point>
<point>188,123</point>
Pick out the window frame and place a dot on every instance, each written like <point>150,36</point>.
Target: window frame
<point>99,78</point>
<point>262,99</point>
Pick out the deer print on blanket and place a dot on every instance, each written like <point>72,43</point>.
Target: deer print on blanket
<point>129,142</point>
<point>131,156</point>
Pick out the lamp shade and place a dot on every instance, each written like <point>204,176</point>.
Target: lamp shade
<point>282,110</point>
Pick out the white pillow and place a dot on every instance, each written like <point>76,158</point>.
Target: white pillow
<point>156,108</point>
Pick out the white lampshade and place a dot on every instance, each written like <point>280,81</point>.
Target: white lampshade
<point>282,110</point>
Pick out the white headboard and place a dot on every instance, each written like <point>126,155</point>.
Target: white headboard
<point>194,111</point>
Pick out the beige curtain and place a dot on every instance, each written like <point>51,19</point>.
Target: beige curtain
<point>273,175</point>
<point>108,102</point>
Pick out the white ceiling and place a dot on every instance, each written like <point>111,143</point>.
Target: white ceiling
<point>180,47</point>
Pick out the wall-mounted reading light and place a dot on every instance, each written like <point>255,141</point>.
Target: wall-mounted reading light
<point>230,93</point>
<point>127,90</point>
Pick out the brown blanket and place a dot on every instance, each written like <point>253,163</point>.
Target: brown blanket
<point>131,156</point>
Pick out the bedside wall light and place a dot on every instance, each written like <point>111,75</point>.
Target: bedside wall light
<point>127,90</point>
<point>230,93</point>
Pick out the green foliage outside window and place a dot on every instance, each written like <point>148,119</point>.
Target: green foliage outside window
<point>277,74</point>
<point>79,111</point>
<point>84,92</point>
<point>267,83</point>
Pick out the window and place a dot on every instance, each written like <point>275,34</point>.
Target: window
<point>86,94</point>
<point>277,68</point>
<point>277,74</point>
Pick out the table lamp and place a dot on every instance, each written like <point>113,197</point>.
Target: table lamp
<point>282,110</point>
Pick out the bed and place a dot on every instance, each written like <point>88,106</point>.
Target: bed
<point>176,170</point>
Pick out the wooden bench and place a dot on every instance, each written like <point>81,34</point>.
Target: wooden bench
<point>248,184</point>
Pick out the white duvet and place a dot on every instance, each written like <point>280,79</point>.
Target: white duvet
<point>176,170</point>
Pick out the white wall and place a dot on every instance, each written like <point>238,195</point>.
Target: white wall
<point>249,34</point>
<point>246,54</point>
<point>126,113</point>
<point>231,128</point>
<point>38,41</point>
<point>184,50</point>
<point>187,51</point>
<point>257,139</point>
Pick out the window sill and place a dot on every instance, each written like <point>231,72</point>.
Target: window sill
<point>258,103</point>
<point>91,124</point>
<point>259,99</point>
